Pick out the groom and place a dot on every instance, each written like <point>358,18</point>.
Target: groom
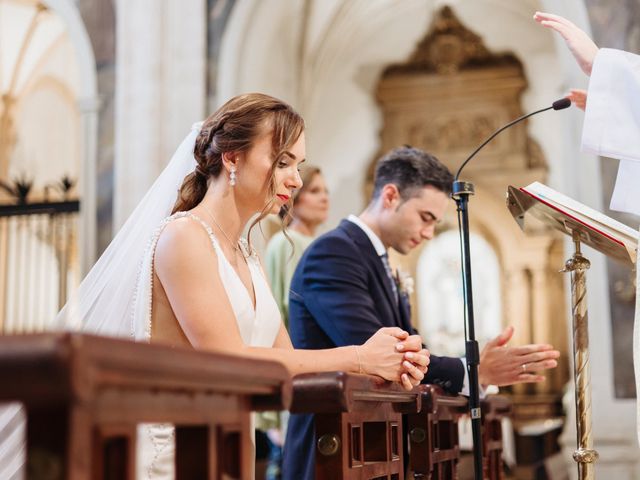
<point>343,289</point>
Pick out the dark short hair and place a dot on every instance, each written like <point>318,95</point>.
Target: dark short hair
<point>411,169</point>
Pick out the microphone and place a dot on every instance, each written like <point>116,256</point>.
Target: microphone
<point>557,105</point>
<point>460,193</point>
<point>561,104</point>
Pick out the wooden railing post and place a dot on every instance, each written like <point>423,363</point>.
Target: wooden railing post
<point>84,397</point>
<point>360,432</point>
<point>433,434</point>
<point>358,424</point>
<point>494,409</point>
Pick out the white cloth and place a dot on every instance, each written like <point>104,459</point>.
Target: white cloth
<point>258,328</point>
<point>612,129</point>
<point>612,122</point>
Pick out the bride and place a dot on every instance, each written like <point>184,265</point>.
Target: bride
<point>179,273</point>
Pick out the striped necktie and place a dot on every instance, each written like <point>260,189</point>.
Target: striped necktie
<point>387,267</point>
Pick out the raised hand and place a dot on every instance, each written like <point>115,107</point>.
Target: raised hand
<point>578,98</point>
<point>503,365</point>
<point>579,43</point>
<point>393,354</point>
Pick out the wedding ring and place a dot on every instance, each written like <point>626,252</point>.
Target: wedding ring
<point>524,368</point>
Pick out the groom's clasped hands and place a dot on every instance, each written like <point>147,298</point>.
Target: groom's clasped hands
<point>393,354</point>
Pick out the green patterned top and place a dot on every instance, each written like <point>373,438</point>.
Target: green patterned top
<point>281,262</point>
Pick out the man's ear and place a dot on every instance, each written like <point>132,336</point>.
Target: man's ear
<point>390,196</point>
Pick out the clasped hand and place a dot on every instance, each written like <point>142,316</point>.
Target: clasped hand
<point>393,354</point>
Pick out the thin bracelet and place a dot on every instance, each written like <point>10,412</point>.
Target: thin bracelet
<point>359,361</point>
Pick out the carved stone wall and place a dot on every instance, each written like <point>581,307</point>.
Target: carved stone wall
<point>451,95</point>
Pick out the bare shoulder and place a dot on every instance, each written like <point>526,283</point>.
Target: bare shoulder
<point>184,240</point>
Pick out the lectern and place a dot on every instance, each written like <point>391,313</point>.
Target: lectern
<point>589,227</point>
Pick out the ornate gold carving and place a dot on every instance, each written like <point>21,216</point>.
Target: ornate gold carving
<point>451,133</point>
<point>449,96</point>
<point>585,456</point>
<point>449,47</point>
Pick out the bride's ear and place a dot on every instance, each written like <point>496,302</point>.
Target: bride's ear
<point>230,160</point>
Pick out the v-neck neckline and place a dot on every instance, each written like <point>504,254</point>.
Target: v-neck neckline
<point>253,301</point>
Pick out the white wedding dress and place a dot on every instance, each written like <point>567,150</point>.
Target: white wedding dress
<point>258,327</point>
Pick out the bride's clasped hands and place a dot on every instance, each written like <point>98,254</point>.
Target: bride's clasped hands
<point>395,355</point>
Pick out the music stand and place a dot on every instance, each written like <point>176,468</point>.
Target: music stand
<point>607,236</point>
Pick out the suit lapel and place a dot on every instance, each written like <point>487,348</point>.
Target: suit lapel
<point>372,257</point>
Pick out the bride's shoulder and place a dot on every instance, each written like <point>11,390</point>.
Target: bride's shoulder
<point>184,254</point>
<point>184,232</point>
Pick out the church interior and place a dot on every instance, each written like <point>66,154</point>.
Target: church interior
<point>97,94</point>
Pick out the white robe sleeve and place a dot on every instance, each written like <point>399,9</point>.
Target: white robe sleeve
<point>612,122</point>
<point>612,129</point>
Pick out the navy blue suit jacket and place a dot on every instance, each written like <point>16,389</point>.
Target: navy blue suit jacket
<point>341,295</point>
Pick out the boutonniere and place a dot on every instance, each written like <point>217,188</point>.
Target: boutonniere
<point>404,282</point>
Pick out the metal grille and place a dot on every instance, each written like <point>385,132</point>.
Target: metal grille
<point>38,263</point>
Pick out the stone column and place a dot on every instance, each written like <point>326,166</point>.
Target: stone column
<point>89,109</point>
<point>160,90</point>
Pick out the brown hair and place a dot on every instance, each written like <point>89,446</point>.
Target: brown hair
<point>234,127</point>
<point>307,172</point>
<point>411,169</point>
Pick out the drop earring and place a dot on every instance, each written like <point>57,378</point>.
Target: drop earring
<point>232,177</point>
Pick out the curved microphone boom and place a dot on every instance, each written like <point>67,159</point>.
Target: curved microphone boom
<point>557,105</point>
<point>461,193</point>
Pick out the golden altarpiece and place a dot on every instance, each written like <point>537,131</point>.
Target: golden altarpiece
<point>447,98</point>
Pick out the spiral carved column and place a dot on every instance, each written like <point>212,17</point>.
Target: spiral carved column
<point>585,456</point>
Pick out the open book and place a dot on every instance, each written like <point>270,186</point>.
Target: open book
<point>558,211</point>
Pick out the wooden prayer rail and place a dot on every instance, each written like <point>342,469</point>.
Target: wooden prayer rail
<point>433,434</point>
<point>358,424</point>
<point>360,432</point>
<point>84,396</point>
<point>494,409</point>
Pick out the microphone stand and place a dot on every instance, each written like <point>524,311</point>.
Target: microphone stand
<point>461,192</point>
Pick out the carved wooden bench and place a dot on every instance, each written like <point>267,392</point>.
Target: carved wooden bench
<point>358,424</point>
<point>84,396</point>
<point>433,434</point>
<point>360,432</point>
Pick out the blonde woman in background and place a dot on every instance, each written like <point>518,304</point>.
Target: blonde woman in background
<point>310,210</point>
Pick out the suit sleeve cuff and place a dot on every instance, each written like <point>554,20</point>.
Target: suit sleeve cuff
<point>484,390</point>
